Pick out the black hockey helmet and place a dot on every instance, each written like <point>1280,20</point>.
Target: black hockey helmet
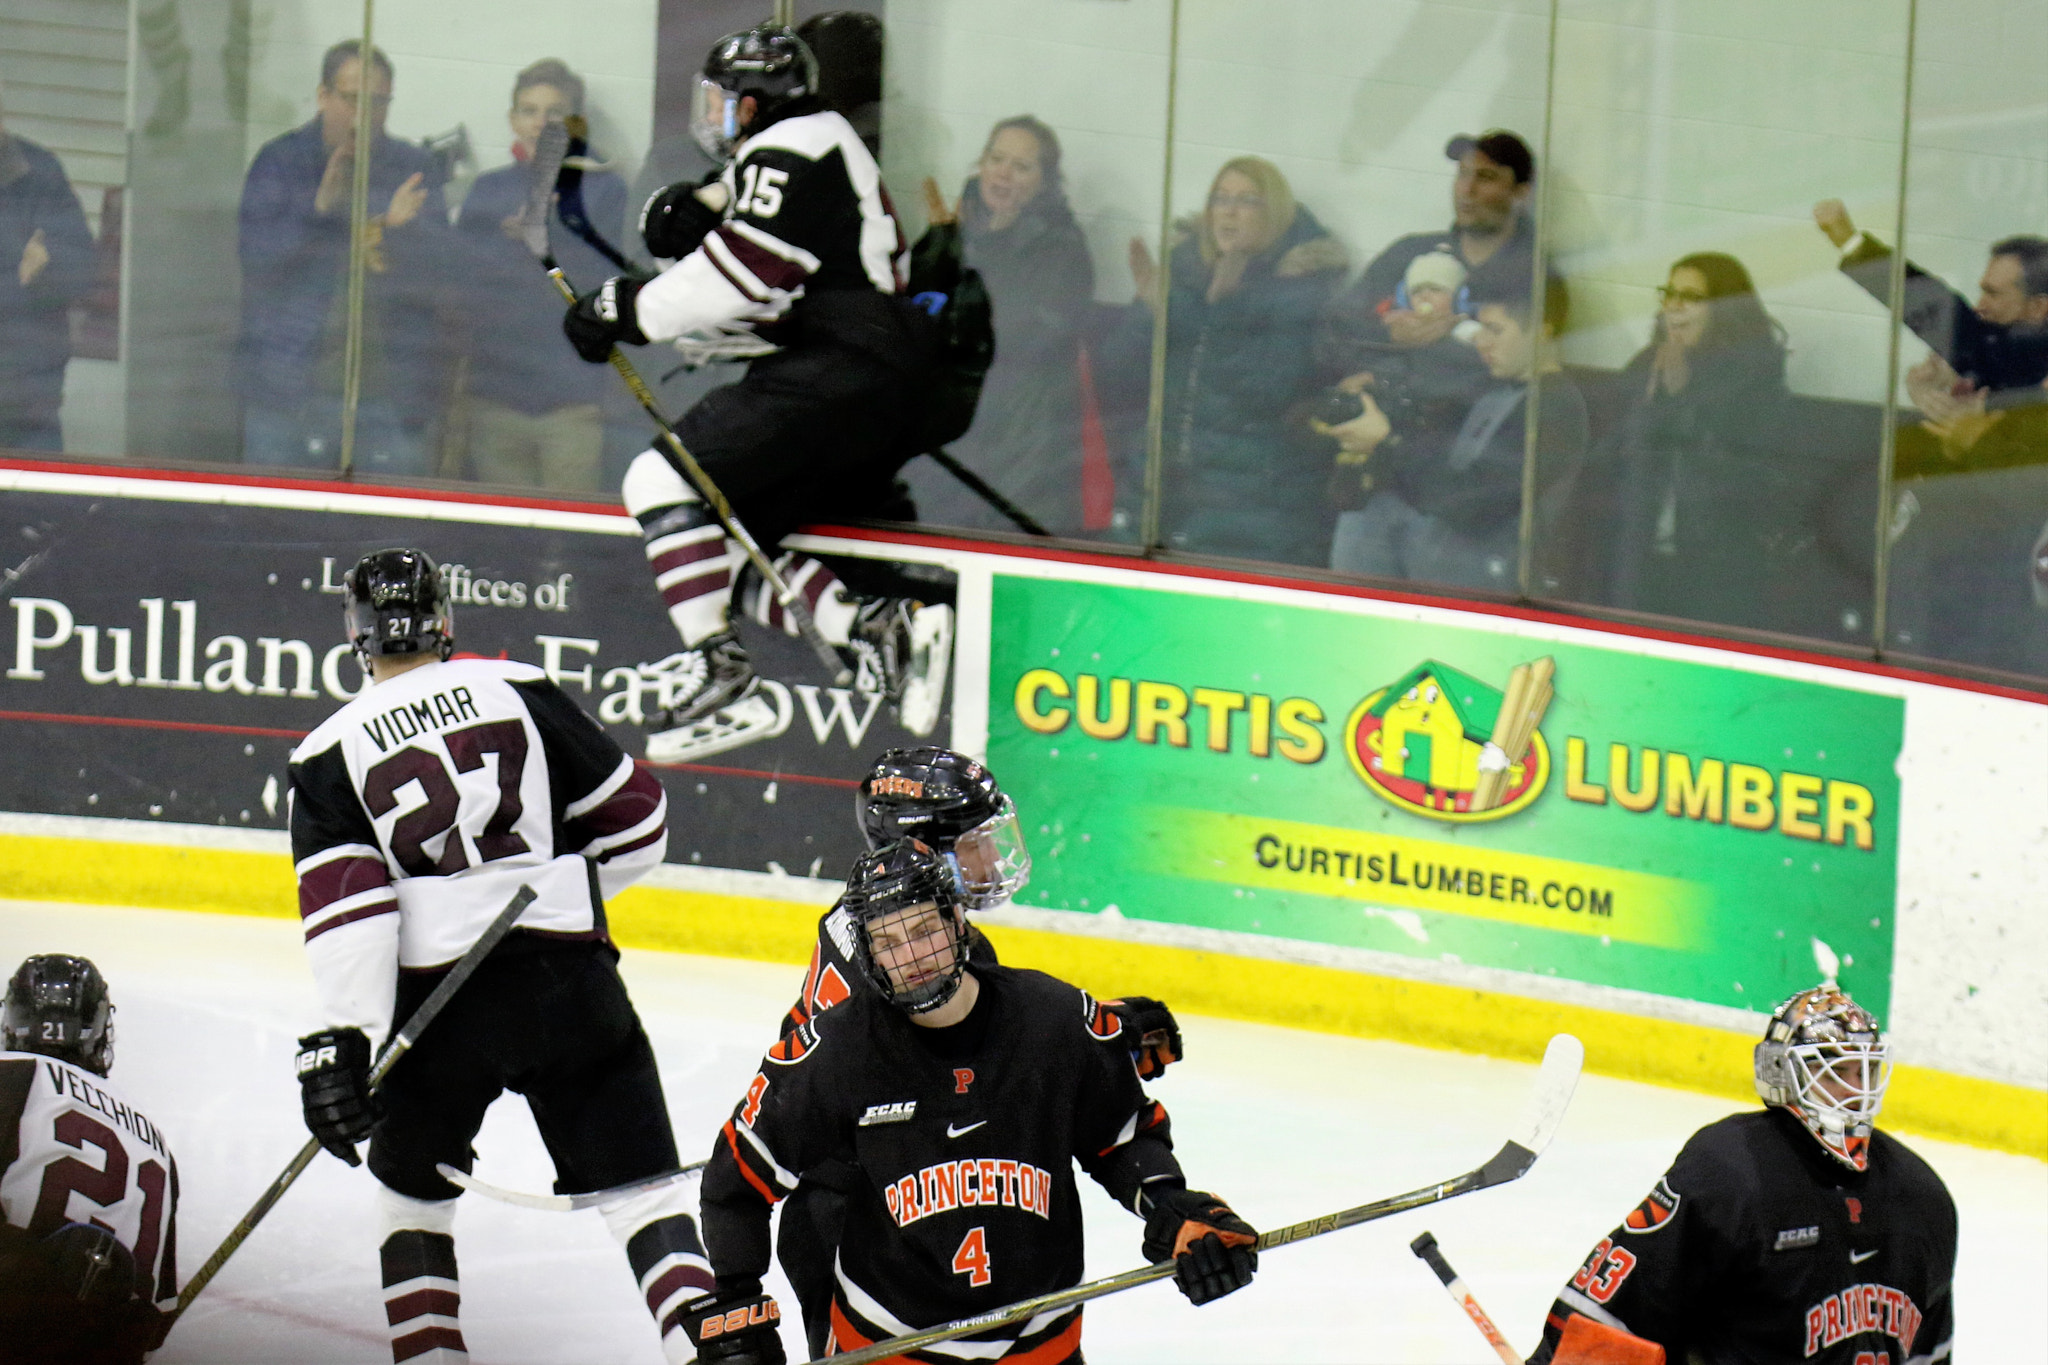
<point>768,62</point>
<point>955,805</point>
<point>909,939</point>
<point>848,46</point>
<point>58,1005</point>
<point>397,604</point>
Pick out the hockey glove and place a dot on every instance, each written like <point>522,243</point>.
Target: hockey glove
<point>334,1087</point>
<point>680,216</point>
<point>1153,1030</point>
<point>605,317</point>
<point>735,1329</point>
<point>1216,1251</point>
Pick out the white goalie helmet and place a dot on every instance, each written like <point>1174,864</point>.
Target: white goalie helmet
<point>1824,1058</point>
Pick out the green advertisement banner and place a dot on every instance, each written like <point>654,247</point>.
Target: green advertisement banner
<point>1445,792</point>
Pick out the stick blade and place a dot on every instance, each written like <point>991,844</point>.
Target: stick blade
<point>1563,1059</point>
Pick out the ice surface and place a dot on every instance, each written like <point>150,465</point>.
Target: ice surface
<point>1284,1124</point>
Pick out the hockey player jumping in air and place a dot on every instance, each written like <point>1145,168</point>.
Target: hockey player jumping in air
<point>88,1253</point>
<point>790,257</point>
<point>954,805</point>
<point>1798,1232</point>
<point>418,809</point>
<point>957,1096</point>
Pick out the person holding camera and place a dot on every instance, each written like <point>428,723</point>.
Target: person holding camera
<point>1453,516</point>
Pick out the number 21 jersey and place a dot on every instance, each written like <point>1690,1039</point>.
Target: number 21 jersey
<point>419,809</point>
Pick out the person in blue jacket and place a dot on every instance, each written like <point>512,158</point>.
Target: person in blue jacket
<point>46,264</point>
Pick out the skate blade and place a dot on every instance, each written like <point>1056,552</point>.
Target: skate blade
<point>931,655</point>
<point>743,722</point>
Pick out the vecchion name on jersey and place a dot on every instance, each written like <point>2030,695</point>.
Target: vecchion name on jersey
<point>971,1182</point>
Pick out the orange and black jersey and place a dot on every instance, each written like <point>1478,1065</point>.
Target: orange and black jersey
<point>961,1143</point>
<point>833,977</point>
<point>1757,1246</point>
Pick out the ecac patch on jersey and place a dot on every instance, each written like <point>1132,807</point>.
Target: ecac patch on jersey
<point>1791,1239</point>
<point>900,1112</point>
<point>1655,1211</point>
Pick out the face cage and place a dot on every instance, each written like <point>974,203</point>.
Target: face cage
<point>990,862</point>
<point>715,119</point>
<point>1842,1121</point>
<point>944,961</point>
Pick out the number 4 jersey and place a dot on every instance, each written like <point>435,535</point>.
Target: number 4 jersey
<point>73,1151</point>
<point>419,809</point>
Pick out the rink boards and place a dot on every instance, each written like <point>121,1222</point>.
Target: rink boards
<point>1236,796</point>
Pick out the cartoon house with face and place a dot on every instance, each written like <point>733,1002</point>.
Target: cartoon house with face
<point>1434,723</point>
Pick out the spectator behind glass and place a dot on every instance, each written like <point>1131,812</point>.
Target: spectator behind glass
<point>295,258</point>
<point>1704,505</point>
<point>532,405</point>
<point>46,263</point>
<point>1240,294</point>
<point>1026,440</point>
<point>1454,515</point>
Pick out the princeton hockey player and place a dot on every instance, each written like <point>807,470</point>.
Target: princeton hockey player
<point>790,257</point>
<point>88,1188</point>
<point>957,1096</point>
<point>418,810</point>
<point>1794,1233</point>
<point>952,804</point>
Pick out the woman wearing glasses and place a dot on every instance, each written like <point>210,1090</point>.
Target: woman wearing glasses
<point>1240,296</point>
<point>1703,505</point>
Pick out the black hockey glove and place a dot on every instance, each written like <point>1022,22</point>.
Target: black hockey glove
<point>735,1329</point>
<point>334,1087</point>
<point>678,217</point>
<point>1215,1250</point>
<point>605,317</point>
<point>1154,1034</point>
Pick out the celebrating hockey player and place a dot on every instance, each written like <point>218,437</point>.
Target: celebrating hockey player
<point>953,805</point>
<point>88,1247</point>
<point>418,810</point>
<point>957,1096</point>
<point>1799,1232</point>
<point>792,257</point>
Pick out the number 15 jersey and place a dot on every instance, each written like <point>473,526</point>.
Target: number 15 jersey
<point>419,809</point>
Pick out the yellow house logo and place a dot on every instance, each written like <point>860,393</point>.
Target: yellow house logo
<point>1439,742</point>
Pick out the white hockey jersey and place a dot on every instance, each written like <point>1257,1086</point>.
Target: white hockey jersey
<point>418,810</point>
<point>73,1151</point>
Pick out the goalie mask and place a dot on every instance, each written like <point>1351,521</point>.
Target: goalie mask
<point>909,939</point>
<point>954,804</point>
<point>1824,1058</point>
<point>57,1005</point>
<point>397,604</point>
<point>768,62</point>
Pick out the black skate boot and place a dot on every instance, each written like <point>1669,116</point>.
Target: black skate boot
<point>902,650</point>
<point>708,701</point>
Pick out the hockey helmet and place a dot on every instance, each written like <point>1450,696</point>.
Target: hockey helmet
<point>955,805</point>
<point>768,62</point>
<point>909,940</point>
<point>1824,1058</point>
<point>91,1265</point>
<point>397,604</point>
<point>58,1005</point>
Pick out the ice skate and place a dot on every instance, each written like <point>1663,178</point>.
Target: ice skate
<point>709,702</point>
<point>902,650</point>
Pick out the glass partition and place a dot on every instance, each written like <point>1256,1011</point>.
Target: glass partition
<point>1591,303</point>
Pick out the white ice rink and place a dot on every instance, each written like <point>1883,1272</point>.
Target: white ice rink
<point>1284,1124</point>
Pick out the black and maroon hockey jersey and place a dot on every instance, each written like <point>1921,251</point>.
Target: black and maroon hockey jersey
<point>1758,1248</point>
<point>418,810</point>
<point>962,1143</point>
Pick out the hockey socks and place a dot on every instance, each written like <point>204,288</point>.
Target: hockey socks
<point>832,606</point>
<point>686,547</point>
<point>422,1298</point>
<point>668,1261</point>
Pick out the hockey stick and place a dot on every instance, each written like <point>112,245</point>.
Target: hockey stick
<point>552,146</point>
<point>1426,1248</point>
<point>1562,1060</point>
<point>981,489</point>
<point>399,1044</point>
<point>566,1203</point>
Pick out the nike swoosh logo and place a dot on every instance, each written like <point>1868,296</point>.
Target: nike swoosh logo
<point>953,1132</point>
<point>1858,1258</point>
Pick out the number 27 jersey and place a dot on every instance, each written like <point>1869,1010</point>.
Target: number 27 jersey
<point>421,807</point>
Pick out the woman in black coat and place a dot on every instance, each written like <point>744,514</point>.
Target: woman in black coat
<point>1018,231</point>
<point>1242,475</point>
<point>1708,504</point>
